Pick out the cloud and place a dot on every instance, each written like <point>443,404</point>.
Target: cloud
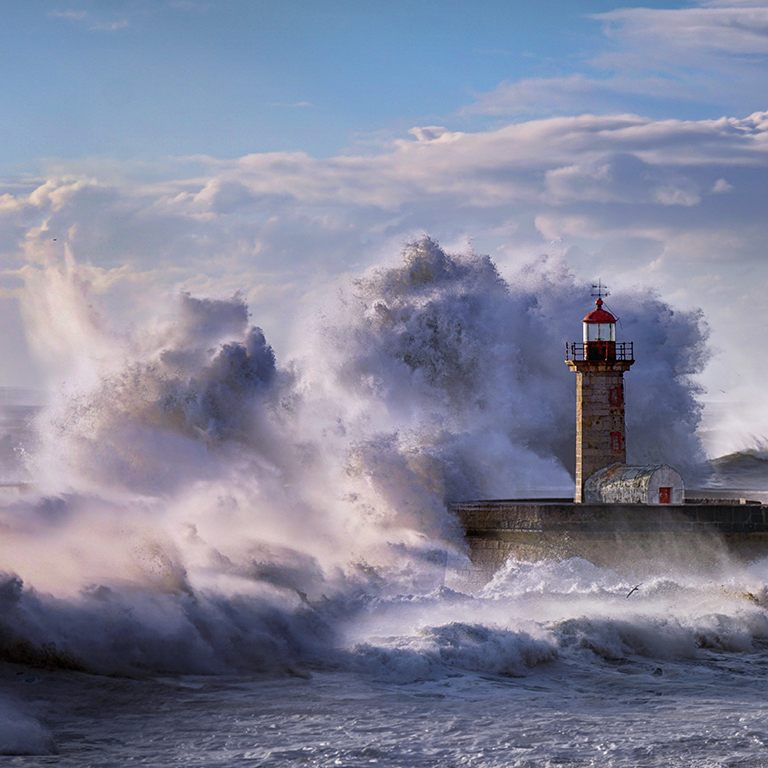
<point>91,22</point>
<point>588,177</point>
<point>558,95</point>
<point>293,105</point>
<point>721,28</point>
<point>621,177</point>
<point>710,55</point>
<point>554,163</point>
<point>722,186</point>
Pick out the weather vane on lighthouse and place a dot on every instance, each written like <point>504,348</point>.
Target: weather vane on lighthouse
<point>601,290</point>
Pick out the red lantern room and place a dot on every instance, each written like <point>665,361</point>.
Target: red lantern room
<point>599,334</point>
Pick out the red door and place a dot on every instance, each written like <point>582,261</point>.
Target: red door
<point>665,492</point>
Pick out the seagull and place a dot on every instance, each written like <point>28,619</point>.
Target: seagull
<point>634,589</point>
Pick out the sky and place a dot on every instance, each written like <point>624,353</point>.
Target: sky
<point>216,146</point>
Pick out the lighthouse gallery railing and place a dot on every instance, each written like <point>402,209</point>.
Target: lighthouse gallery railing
<point>620,350</point>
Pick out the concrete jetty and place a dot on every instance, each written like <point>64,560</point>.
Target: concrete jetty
<point>613,535</point>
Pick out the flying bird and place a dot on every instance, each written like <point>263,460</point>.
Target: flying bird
<point>634,589</point>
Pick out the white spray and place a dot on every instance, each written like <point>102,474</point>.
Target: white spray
<point>210,496</point>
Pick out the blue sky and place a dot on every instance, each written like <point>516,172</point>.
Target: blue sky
<point>148,79</point>
<point>271,148</point>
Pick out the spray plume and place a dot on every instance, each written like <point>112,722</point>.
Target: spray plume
<point>208,495</point>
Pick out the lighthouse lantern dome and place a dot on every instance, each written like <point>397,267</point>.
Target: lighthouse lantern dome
<point>599,325</point>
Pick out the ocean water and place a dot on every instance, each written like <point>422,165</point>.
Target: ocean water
<point>213,556</point>
<point>552,664</point>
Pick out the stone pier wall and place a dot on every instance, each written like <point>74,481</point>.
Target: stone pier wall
<point>613,535</point>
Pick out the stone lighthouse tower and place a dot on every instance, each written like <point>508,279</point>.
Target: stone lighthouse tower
<point>599,363</point>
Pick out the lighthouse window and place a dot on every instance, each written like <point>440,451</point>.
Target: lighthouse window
<point>615,396</point>
<point>616,442</point>
<point>599,332</point>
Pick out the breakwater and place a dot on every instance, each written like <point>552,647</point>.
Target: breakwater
<point>698,532</point>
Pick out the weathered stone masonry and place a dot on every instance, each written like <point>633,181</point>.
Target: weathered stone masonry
<point>600,430</point>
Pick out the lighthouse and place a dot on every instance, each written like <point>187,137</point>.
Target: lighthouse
<point>599,362</point>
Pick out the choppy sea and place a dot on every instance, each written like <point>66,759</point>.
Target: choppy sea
<point>553,663</point>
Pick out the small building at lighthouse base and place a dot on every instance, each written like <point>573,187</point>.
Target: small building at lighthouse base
<point>628,484</point>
